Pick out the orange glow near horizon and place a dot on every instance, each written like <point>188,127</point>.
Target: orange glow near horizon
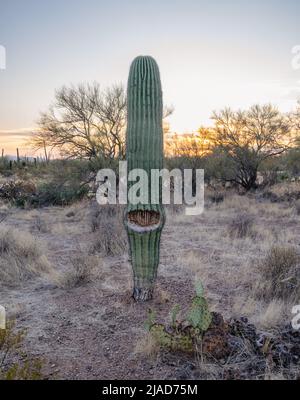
<point>10,144</point>
<point>10,140</point>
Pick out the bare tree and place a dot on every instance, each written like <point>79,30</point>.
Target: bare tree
<point>247,138</point>
<point>84,122</point>
<point>38,141</point>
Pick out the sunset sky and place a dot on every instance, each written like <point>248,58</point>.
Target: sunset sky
<point>211,54</point>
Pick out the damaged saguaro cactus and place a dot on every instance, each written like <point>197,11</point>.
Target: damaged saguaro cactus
<point>144,150</point>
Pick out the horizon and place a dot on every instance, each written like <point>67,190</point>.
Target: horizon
<point>210,55</point>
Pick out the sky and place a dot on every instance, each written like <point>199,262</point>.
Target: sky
<point>211,54</point>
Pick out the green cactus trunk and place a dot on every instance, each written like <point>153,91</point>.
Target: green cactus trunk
<point>144,150</point>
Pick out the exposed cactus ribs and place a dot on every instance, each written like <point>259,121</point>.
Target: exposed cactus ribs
<point>144,218</point>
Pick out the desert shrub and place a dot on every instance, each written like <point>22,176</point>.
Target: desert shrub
<point>40,225</point>
<point>104,213</point>
<point>268,195</point>
<point>97,163</point>
<point>85,269</point>
<point>269,170</point>
<point>269,178</point>
<point>297,207</point>
<point>288,192</point>
<point>66,181</point>
<point>216,197</point>
<point>4,164</point>
<point>3,215</point>
<point>280,271</point>
<point>24,368</point>
<point>61,182</point>
<point>18,192</point>
<point>7,167</point>
<point>59,193</point>
<point>290,196</point>
<point>241,226</point>
<point>291,161</point>
<point>21,257</point>
<point>55,167</point>
<point>110,238</point>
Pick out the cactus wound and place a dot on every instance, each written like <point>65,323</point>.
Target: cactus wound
<point>143,219</point>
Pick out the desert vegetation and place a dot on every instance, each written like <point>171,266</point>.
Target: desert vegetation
<point>22,257</point>
<point>14,363</point>
<point>149,194</point>
<point>66,280</point>
<point>228,278</point>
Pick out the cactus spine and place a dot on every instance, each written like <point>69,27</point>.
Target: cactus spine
<point>144,150</point>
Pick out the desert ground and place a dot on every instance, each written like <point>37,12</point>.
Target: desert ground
<point>69,286</point>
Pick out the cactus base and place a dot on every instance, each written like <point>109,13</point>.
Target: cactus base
<point>142,294</point>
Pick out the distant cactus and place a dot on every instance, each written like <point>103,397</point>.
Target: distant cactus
<point>144,150</point>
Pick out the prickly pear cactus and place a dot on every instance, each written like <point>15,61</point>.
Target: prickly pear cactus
<point>199,315</point>
<point>187,334</point>
<point>144,150</point>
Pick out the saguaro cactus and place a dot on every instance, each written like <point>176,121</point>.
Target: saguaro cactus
<point>144,150</point>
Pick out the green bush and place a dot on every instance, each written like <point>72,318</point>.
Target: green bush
<point>59,193</point>
<point>61,182</point>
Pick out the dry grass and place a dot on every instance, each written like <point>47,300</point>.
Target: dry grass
<point>241,226</point>
<point>21,257</point>
<point>101,215</point>
<point>41,225</point>
<point>285,189</point>
<point>238,203</point>
<point>85,269</point>
<point>278,210</point>
<point>297,207</point>
<point>231,269</point>
<point>230,252</point>
<point>280,271</point>
<point>271,314</point>
<point>147,345</point>
<point>110,241</point>
<point>110,237</point>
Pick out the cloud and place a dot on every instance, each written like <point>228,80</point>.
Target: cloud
<point>23,132</point>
